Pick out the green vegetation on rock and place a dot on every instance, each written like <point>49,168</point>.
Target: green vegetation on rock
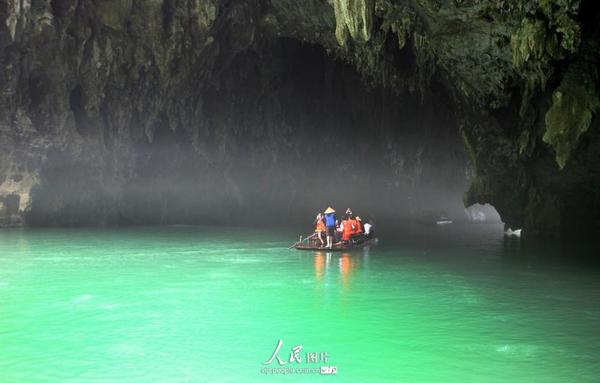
<point>573,106</point>
<point>548,33</point>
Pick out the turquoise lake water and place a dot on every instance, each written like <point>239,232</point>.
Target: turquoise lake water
<point>194,304</point>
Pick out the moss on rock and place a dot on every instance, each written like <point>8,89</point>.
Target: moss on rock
<point>548,33</point>
<point>573,105</point>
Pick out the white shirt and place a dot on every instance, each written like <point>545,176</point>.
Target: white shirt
<point>367,227</point>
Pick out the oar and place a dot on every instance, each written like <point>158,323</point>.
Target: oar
<point>300,241</point>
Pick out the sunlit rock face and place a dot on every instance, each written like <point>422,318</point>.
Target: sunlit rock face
<point>128,111</point>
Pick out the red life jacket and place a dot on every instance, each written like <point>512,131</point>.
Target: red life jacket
<point>348,229</point>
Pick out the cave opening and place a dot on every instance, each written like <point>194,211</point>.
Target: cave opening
<point>283,130</point>
<point>287,129</point>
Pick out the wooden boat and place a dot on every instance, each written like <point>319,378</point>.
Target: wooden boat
<point>314,244</point>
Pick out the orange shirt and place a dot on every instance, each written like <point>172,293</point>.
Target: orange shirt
<point>320,226</point>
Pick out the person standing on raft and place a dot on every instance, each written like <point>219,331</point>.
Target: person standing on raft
<point>330,225</point>
<point>320,228</point>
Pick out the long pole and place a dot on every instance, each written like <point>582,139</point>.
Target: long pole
<point>305,239</point>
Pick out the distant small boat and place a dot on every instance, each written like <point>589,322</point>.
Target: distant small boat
<point>443,221</point>
<point>513,233</point>
<point>340,246</point>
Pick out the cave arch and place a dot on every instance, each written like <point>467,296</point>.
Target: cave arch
<point>279,131</point>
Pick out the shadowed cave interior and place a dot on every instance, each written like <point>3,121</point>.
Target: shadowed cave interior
<point>284,131</point>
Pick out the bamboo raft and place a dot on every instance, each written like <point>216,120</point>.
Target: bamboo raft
<point>312,243</point>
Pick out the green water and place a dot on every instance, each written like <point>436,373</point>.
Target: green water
<point>188,304</point>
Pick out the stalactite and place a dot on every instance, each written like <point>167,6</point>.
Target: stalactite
<point>353,17</point>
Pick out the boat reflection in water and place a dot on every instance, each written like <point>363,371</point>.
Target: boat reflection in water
<point>319,264</point>
<point>331,267</point>
<point>346,264</point>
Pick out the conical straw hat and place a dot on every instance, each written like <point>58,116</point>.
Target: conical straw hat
<point>329,210</point>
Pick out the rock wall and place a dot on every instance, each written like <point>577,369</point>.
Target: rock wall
<point>524,86</point>
<point>130,111</point>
